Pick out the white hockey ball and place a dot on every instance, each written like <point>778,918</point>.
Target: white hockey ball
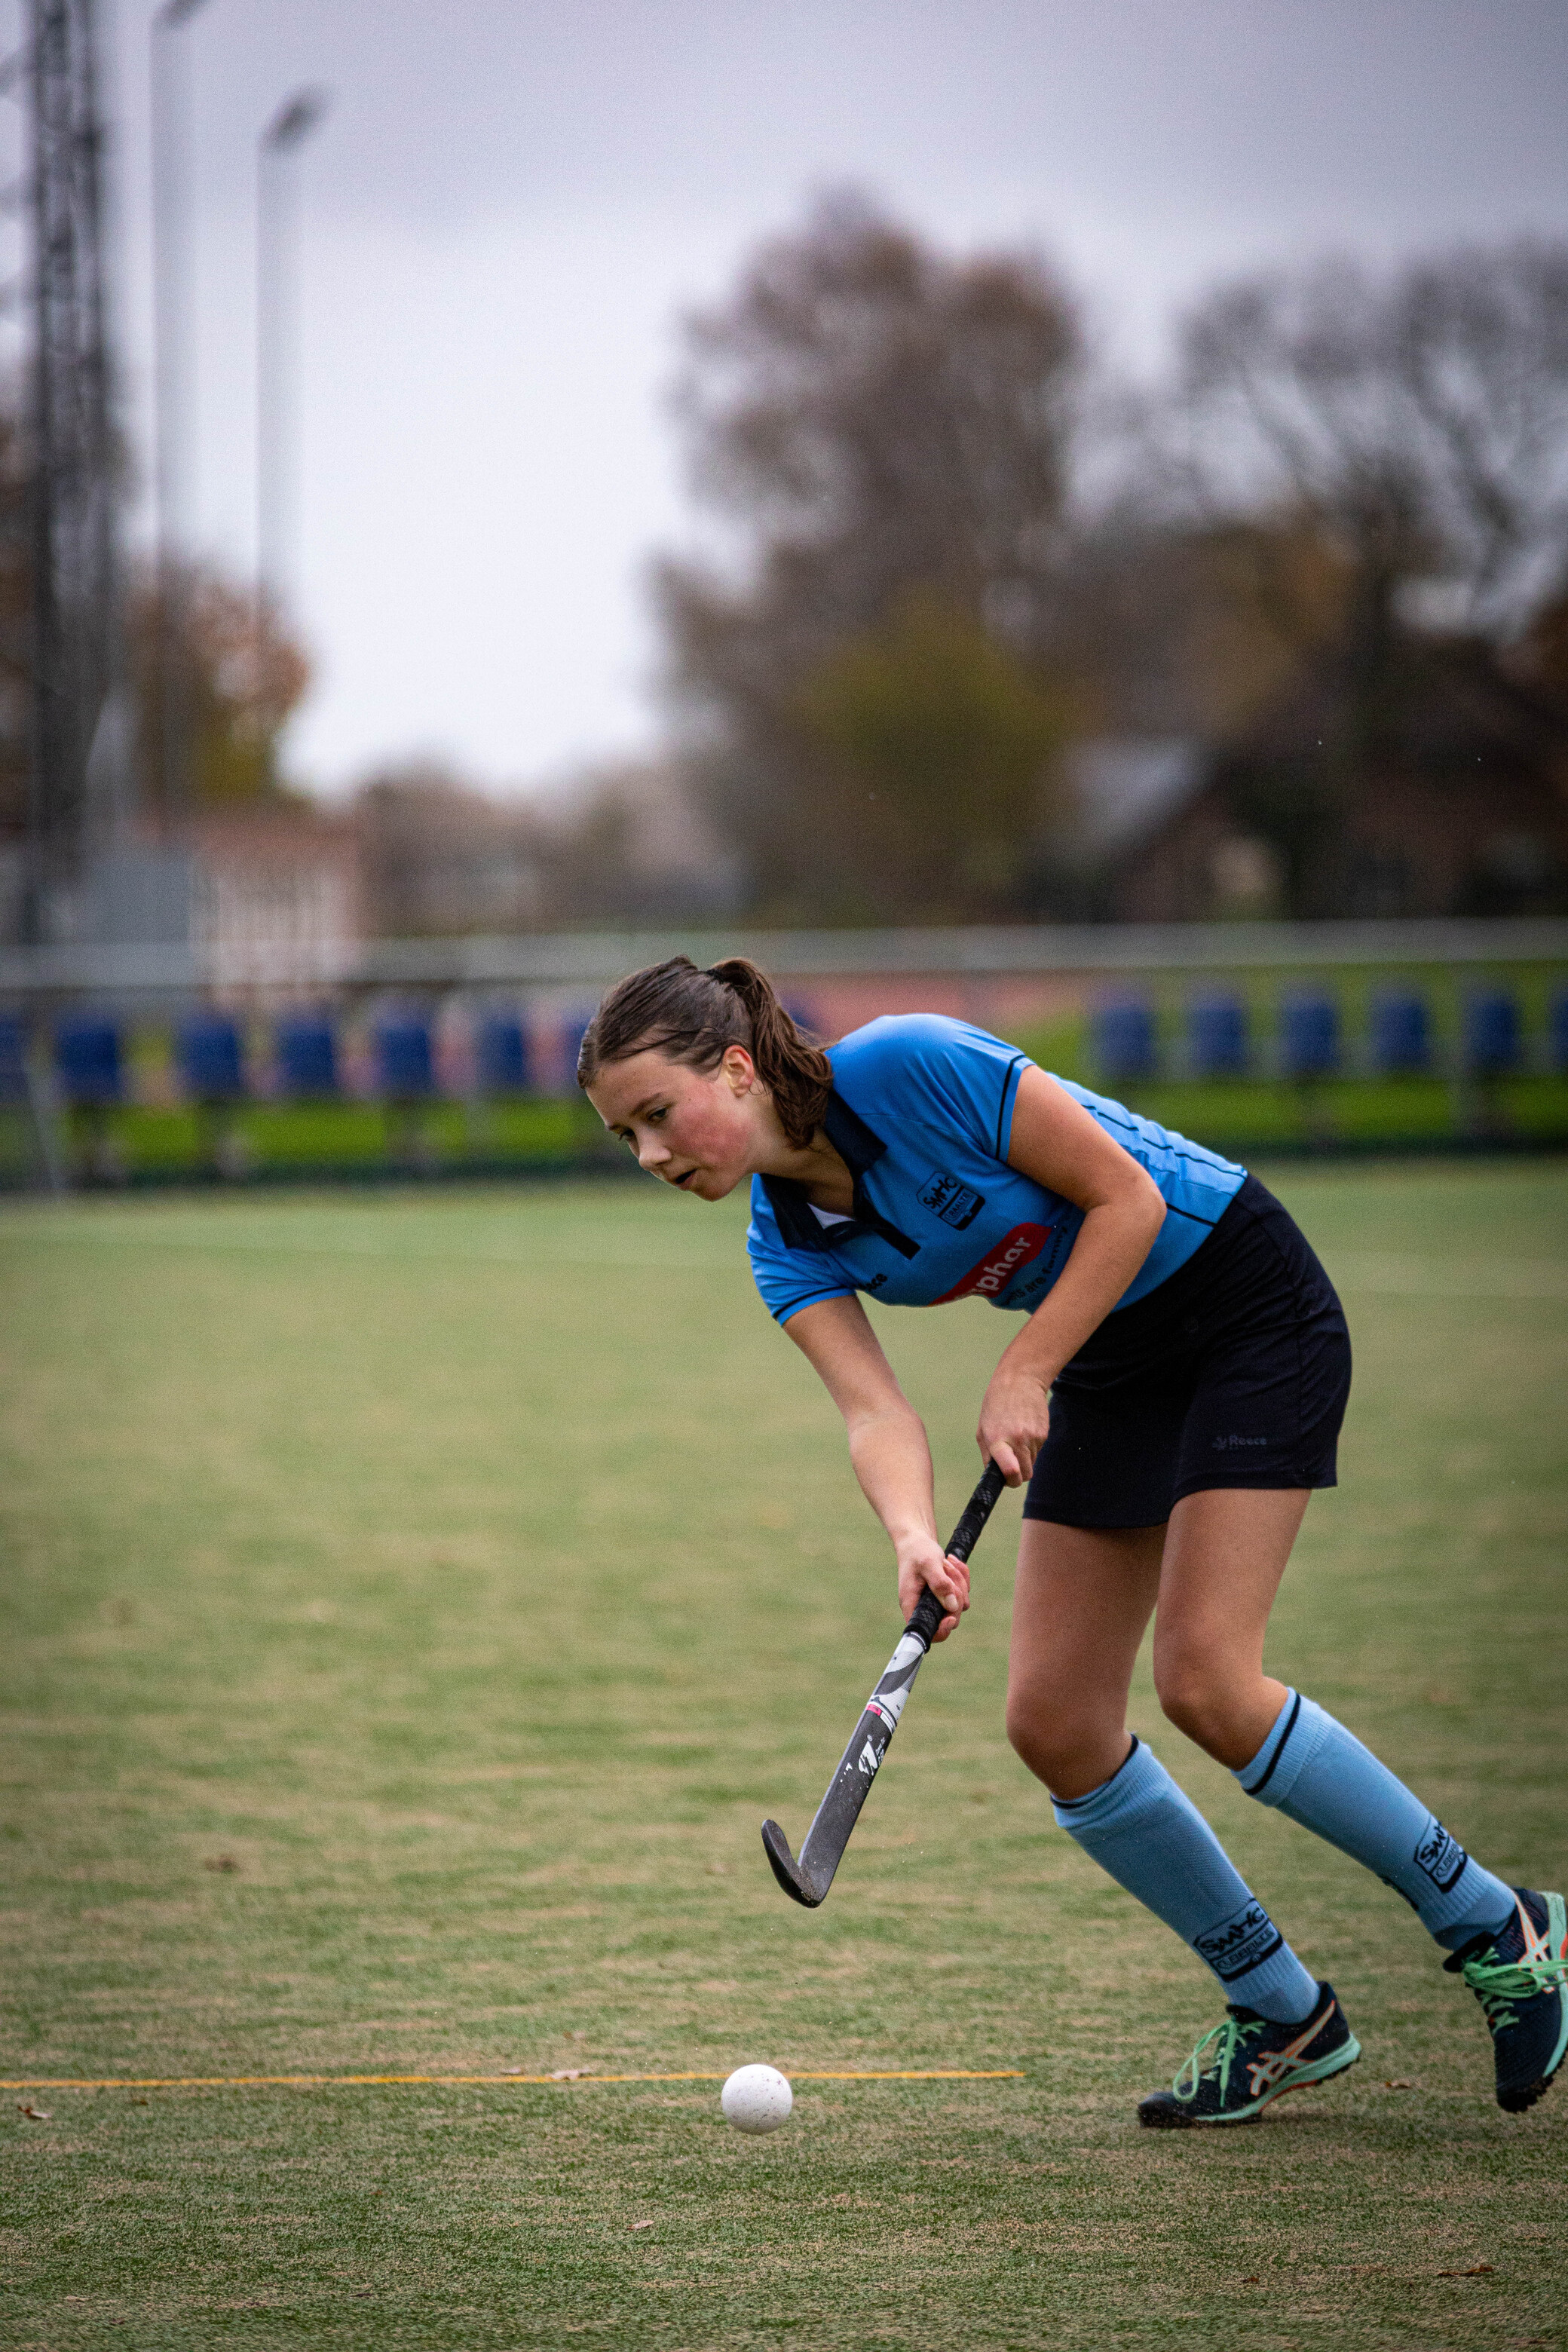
<point>756,2099</point>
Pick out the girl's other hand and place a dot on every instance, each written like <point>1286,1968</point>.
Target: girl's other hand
<point>1014,1422</point>
<point>921,1563</point>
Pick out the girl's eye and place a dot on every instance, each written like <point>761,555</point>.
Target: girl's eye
<point>655,1116</point>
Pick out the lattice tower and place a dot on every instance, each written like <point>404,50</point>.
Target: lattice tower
<point>73,456</point>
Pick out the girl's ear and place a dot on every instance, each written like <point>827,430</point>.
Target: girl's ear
<point>739,1069</point>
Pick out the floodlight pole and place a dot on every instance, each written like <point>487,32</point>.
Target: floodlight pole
<point>172,377</point>
<point>276,244</point>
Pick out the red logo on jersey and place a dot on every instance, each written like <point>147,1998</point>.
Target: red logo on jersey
<point>997,1267</point>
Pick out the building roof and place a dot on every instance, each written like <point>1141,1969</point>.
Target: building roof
<point>1125,786</point>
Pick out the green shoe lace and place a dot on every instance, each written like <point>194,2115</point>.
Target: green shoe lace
<point>1498,1984</point>
<point>1227,2038</point>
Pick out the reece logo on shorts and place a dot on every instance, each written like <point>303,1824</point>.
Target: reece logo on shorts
<point>990,1278</point>
<point>1238,1943</point>
<point>956,1204</point>
<point>1440,1855</point>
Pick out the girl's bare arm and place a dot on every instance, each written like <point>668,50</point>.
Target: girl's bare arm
<point>887,1446</point>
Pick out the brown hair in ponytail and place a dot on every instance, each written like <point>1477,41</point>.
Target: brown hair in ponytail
<point>691,1016</point>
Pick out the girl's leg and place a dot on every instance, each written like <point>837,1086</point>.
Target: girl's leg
<point>1225,1554</point>
<point>1225,1550</point>
<point>1081,1601</point>
<point>1084,1596</point>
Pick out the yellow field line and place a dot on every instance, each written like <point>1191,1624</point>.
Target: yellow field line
<point>560,2081</point>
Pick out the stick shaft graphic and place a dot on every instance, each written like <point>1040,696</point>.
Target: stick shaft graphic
<point>808,1880</point>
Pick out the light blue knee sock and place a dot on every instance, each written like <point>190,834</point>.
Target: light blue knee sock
<point>1153,1841</point>
<point>1317,1773</point>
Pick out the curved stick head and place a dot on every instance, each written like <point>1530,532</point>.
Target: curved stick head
<point>786,1868</point>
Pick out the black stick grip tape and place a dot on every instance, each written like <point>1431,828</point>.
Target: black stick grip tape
<point>976,1511</point>
<point>929,1610</point>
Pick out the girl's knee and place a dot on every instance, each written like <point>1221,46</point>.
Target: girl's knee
<point>1071,1751</point>
<point>1206,1698</point>
<point>1028,1734</point>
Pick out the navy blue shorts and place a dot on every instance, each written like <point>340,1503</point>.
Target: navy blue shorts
<point>1234,1372</point>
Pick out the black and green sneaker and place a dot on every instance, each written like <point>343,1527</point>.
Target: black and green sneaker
<point>1242,2065</point>
<point>1520,1976</point>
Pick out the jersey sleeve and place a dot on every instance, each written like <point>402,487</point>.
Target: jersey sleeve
<point>953,1074</point>
<point>788,1279</point>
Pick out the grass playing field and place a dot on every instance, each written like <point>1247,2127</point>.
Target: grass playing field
<point>415,1605</point>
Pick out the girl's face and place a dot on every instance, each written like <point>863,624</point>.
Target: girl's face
<point>702,1131</point>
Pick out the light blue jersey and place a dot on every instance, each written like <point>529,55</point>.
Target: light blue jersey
<point>921,1113</point>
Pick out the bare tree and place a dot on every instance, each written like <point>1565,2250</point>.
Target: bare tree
<point>1483,353</point>
<point>1421,419</point>
<point>883,431</point>
<point>243,677</point>
<point>1369,495</point>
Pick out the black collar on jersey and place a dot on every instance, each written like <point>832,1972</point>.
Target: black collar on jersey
<point>859,1149</point>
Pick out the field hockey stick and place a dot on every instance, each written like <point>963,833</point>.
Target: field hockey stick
<point>808,1880</point>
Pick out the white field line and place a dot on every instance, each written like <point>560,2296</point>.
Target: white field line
<point>1385,1273</point>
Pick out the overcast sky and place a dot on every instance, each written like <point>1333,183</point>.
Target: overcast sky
<point>510,204</point>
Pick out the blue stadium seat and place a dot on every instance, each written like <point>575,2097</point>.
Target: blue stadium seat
<point>1309,1036</point>
<point>212,1059</point>
<point>13,1059</point>
<point>405,1065</point>
<point>307,1058</point>
<point>1123,1039</point>
<point>1217,1037</point>
<point>1401,1033</point>
<point>503,1063</point>
<point>1557,1031</point>
<point>88,1063</point>
<point>1492,1033</point>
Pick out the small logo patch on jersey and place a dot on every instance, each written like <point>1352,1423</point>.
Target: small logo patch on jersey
<point>1440,1855</point>
<point>996,1269</point>
<point>1238,1943</point>
<point>956,1204</point>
